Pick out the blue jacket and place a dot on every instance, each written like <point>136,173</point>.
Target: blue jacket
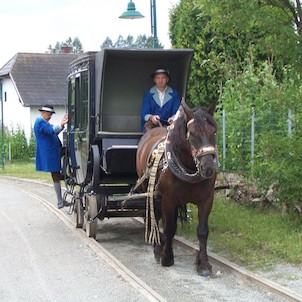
<point>48,146</point>
<point>151,105</point>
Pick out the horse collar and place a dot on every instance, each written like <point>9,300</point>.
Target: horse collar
<point>178,169</point>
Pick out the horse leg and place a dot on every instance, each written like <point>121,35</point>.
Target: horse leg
<point>169,228</point>
<point>203,266</point>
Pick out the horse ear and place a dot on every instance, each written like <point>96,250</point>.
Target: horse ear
<point>211,109</point>
<point>189,113</point>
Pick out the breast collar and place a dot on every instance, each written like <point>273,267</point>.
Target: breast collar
<point>176,166</point>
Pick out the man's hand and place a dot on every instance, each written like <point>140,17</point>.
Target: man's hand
<point>64,120</point>
<point>171,119</point>
<point>154,119</point>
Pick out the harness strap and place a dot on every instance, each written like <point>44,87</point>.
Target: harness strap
<point>154,237</point>
<point>206,150</point>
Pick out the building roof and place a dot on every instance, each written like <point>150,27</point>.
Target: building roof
<point>39,78</point>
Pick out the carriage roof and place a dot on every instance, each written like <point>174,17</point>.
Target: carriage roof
<point>121,77</point>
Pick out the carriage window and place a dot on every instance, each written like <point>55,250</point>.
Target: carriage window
<point>72,101</point>
<point>77,101</point>
<point>83,118</point>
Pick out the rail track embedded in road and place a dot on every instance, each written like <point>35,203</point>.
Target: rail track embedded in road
<point>136,282</point>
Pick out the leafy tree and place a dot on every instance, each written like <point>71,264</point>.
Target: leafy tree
<point>141,42</point>
<point>107,43</point>
<point>188,30</point>
<point>277,151</point>
<point>292,8</point>
<point>75,46</point>
<point>248,55</point>
<point>225,33</point>
<point>279,155</point>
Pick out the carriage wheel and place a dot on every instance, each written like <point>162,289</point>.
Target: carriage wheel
<point>96,160</point>
<point>91,212</point>
<point>78,212</point>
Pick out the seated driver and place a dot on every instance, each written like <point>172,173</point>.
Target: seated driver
<point>160,103</point>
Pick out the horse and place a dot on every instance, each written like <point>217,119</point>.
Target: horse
<point>186,174</point>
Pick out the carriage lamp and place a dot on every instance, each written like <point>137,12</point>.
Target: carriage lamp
<point>131,13</point>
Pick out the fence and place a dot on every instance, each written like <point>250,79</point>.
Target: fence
<point>239,135</point>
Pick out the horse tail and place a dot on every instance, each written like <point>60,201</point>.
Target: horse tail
<point>183,214</point>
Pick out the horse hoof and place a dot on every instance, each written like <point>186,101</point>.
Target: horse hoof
<point>167,261</point>
<point>204,272</point>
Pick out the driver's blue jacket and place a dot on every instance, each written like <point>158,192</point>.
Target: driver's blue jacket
<point>151,105</point>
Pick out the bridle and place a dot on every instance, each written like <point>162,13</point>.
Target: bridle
<point>178,169</point>
<point>203,150</point>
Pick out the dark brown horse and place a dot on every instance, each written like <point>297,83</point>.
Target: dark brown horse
<point>186,174</point>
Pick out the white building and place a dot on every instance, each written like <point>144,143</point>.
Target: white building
<point>31,80</point>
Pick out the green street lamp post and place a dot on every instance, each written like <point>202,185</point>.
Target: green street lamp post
<point>132,13</point>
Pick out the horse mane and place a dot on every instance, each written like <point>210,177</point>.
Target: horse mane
<point>201,116</point>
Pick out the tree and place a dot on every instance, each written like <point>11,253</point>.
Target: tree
<point>247,55</point>
<point>74,45</point>
<point>225,33</point>
<point>107,43</point>
<point>141,42</point>
<point>292,8</point>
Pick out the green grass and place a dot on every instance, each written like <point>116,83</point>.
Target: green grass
<point>253,237</point>
<point>24,169</point>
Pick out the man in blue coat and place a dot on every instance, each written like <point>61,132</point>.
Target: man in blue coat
<point>160,103</point>
<point>48,148</point>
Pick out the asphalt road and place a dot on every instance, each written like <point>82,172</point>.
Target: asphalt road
<point>42,260</point>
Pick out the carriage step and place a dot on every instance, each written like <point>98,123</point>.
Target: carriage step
<point>116,198</point>
<point>125,213</point>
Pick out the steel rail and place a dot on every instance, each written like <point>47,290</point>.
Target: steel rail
<point>243,273</point>
<point>269,285</point>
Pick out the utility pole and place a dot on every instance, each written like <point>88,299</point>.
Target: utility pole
<point>2,127</point>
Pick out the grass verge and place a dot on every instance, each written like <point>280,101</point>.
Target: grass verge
<point>249,236</point>
<point>24,169</point>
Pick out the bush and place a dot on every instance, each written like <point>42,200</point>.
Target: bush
<point>279,163</point>
<point>32,145</point>
<point>16,145</point>
<point>277,136</point>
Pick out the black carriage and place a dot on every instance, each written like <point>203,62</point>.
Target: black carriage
<point>104,103</point>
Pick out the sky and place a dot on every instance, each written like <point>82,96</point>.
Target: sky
<point>33,25</point>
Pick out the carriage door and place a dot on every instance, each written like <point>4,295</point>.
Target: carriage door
<point>78,124</point>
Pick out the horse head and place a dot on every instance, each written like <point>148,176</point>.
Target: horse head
<point>201,128</point>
